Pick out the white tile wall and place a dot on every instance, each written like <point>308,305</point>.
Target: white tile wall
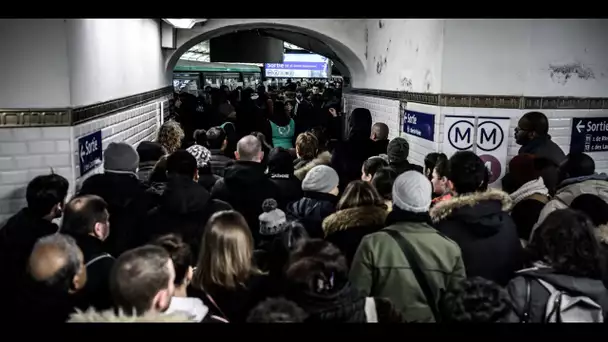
<point>382,110</point>
<point>26,153</point>
<point>132,126</point>
<point>31,151</point>
<point>389,112</point>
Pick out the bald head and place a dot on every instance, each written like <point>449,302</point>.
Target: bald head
<point>57,262</point>
<point>379,131</point>
<point>249,148</point>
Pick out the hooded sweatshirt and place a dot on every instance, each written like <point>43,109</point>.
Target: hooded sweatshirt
<point>245,187</point>
<point>185,207</point>
<point>349,155</point>
<point>480,224</point>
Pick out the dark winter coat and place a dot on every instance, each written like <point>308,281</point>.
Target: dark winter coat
<point>17,239</point>
<point>233,304</point>
<point>219,161</point>
<point>311,210</point>
<point>245,187</point>
<point>127,202</point>
<point>380,147</point>
<point>145,170</point>
<point>345,305</point>
<point>185,207</point>
<point>289,187</point>
<point>96,292</point>
<point>346,228</point>
<point>485,232</point>
<point>207,181</point>
<point>405,166</point>
<point>526,212</point>
<point>539,295</point>
<point>544,147</point>
<point>349,155</point>
<point>35,299</point>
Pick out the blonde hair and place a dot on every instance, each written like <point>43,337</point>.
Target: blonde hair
<point>170,135</point>
<point>226,254</point>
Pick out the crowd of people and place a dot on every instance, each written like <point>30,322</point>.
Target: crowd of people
<point>267,228</point>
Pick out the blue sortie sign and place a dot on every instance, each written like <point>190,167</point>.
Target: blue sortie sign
<point>418,124</point>
<point>589,135</point>
<point>89,152</point>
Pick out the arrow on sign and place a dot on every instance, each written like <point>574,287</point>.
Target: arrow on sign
<point>580,126</point>
<point>82,152</point>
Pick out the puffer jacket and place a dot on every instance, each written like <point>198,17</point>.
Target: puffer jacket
<point>380,268</point>
<point>323,158</point>
<point>480,224</point>
<point>570,189</point>
<point>311,210</point>
<point>346,228</point>
<point>518,291</point>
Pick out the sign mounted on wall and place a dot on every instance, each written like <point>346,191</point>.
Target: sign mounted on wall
<point>458,134</point>
<point>589,135</point>
<point>90,152</point>
<point>418,124</point>
<point>492,145</point>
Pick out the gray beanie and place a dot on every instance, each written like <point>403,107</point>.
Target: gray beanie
<point>412,192</point>
<point>398,150</point>
<point>272,220</point>
<point>320,178</point>
<point>120,157</point>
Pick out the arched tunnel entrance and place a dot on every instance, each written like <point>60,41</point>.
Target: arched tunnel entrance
<point>325,41</point>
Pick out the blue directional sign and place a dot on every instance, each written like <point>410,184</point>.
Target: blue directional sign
<point>90,152</point>
<point>589,135</point>
<point>418,124</point>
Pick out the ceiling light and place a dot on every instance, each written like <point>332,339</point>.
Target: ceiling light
<point>181,23</point>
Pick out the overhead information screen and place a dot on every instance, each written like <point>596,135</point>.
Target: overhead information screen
<point>299,65</point>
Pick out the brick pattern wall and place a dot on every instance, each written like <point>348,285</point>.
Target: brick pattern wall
<point>382,110</point>
<point>26,153</point>
<point>132,126</point>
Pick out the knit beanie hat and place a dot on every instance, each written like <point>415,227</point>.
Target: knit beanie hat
<point>201,154</point>
<point>412,192</point>
<point>321,178</point>
<point>272,220</point>
<point>398,150</point>
<point>120,157</point>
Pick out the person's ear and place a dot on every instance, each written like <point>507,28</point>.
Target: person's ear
<point>236,155</point>
<point>99,230</point>
<point>161,300</point>
<point>196,175</point>
<point>189,274</point>
<point>261,155</point>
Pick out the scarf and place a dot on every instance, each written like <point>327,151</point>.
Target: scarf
<point>536,186</point>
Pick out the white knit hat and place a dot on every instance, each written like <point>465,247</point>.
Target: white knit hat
<point>412,192</point>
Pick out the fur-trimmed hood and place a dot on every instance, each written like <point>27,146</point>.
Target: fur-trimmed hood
<point>110,316</point>
<point>322,159</point>
<point>481,212</point>
<point>367,216</point>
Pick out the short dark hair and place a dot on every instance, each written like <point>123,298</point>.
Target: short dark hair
<point>467,172</point>
<point>476,300</point>
<point>594,206</point>
<point>137,276</point>
<point>44,192</point>
<point>576,165</point>
<point>180,254</point>
<point>442,167</point>
<point>566,241</point>
<point>276,310</point>
<point>431,160</point>
<point>383,181</point>
<point>216,137</point>
<point>150,151</point>
<point>181,162</point>
<point>373,164</point>
<point>538,122</point>
<point>82,213</point>
<point>200,137</point>
<point>320,132</point>
<point>359,194</point>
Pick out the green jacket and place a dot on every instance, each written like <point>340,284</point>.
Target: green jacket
<point>380,269</point>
